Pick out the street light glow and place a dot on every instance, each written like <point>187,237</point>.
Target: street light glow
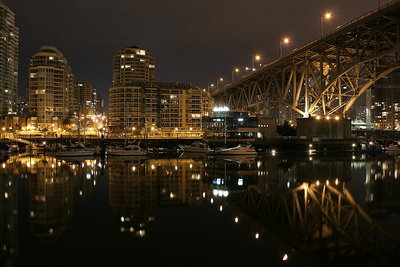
<point>219,109</point>
<point>286,40</point>
<point>328,15</point>
<point>257,57</point>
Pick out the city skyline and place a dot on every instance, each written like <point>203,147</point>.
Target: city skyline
<point>189,40</point>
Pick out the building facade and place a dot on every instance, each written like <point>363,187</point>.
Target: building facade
<point>156,109</point>
<point>139,106</point>
<point>386,102</point>
<point>85,96</point>
<point>133,64</point>
<point>50,87</point>
<point>9,40</point>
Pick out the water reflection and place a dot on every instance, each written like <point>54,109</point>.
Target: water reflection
<point>333,209</point>
<point>137,188</point>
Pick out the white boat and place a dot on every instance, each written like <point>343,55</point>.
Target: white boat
<point>75,153</point>
<point>129,150</point>
<point>237,150</point>
<point>196,147</point>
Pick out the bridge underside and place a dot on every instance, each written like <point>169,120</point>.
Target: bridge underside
<point>326,76</point>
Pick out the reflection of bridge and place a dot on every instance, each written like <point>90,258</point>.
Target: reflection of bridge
<point>327,75</point>
<point>324,221</point>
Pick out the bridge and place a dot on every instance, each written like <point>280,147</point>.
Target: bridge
<point>323,220</point>
<point>326,76</point>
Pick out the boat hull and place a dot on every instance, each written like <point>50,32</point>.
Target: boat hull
<point>75,153</point>
<point>126,153</point>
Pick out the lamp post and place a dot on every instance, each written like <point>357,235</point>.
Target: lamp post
<point>326,17</point>
<point>210,86</point>
<point>235,70</point>
<point>255,58</point>
<point>284,41</point>
<point>219,80</point>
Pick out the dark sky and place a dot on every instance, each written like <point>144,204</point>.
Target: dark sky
<point>192,40</point>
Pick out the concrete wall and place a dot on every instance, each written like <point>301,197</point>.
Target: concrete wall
<point>323,128</point>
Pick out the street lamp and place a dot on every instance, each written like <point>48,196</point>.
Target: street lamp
<point>255,58</point>
<point>325,17</point>
<point>219,80</point>
<point>235,70</point>
<point>210,86</point>
<point>284,41</point>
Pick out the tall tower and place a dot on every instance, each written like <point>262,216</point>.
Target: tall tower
<point>85,94</point>
<point>50,87</point>
<point>133,64</point>
<point>9,37</point>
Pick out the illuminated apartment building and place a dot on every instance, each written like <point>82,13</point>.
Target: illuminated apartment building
<point>50,87</point>
<point>386,102</point>
<point>133,64</point>
<point>9,38</point>
<point>158,110</point>
<point>140,106</point>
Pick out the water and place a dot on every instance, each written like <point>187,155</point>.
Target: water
<point>284,210</point>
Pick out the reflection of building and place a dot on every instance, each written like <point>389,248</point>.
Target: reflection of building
<point>8,61</point>
<point>158,109</point>
<point>8,216</point>
<point>137,189</point>
<point>382,184</point>
<point>50,87</point>
<point>50,198</point>
<point>386,102</point>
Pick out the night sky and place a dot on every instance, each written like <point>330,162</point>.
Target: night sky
<point>192,40</point>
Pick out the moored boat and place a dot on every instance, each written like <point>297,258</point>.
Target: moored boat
<point>237,150</point>
<point>75,153</point>
<point>196,147</point>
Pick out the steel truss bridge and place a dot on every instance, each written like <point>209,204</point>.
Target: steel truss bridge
<point>327,75</point>
<point>322,220</point>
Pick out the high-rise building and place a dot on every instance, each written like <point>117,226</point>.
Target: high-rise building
<point>386,102</point>
<point>9,37</point>
<point>133,64</point>
<point>99,104</point>
<point>50,87</point>
<point>85,96</point>
<point>145,107</point>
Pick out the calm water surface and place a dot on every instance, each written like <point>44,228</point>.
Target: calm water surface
<point>286,210</point>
